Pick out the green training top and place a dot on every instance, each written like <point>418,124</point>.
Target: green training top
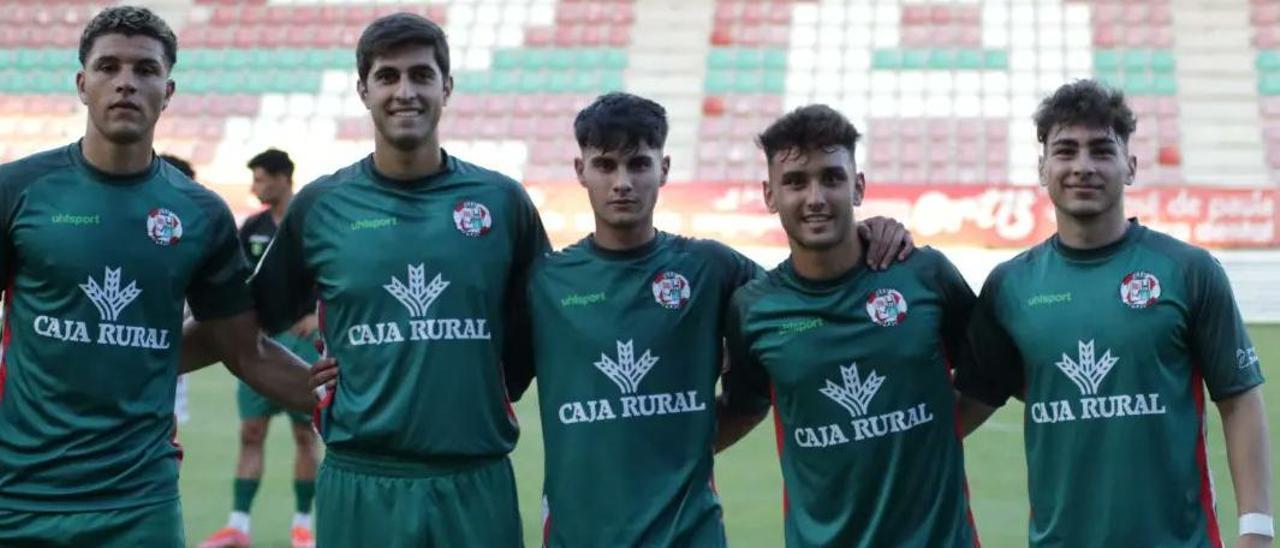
<point>628,347</point>
<point>415,280</point>
<point>859,372</point>
<point>96,268</point>
<point>1111,349</point>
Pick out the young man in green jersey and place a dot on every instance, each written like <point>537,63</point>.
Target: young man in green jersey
<point>272,172</point>
<point>857,363</point>
<point>102,243</point>
<point>418,259</point>
<point>1111,332</point>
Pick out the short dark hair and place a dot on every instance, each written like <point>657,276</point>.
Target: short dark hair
<point>807,128</point>
<point>130,21</point>
<point>1085,102</point>
<point>395,31</point>
<point>182,165</point>
<point>274,162</point>
<point>621,121</point>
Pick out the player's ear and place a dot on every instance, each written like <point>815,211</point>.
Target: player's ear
<point>169,87</point>
<point>1132,162</point>
<point>666,169</point>
<point>84,97</point>
<point>580,166</point>
<point>448,89</point>
<point>362,89</point>
<point>1044,181</point>
<point>767,191</point>
<point>859,188</point>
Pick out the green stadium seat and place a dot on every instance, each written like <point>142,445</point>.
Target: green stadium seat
<point>1165,84</point>
<point>721,58</point>
<point>1137,60</point>
<point>1162,61</point>
<point>887,59</point>
<point>775,59</point>
<point>232,81</point>
<point>941,59</point>
<point>316,59</point>
<point>561,82</point>
<point>586,81</point>
<point>505,82</point>
<point>612,81</point>
<point>507,59</point>
<point>534,81</point>
<point>719,81</point>
<point>1106,60</point>
<point>1138,84</point>
<point>615,59</point>
<point>289,58</point>
<point>749,82</point>
<point>775,82</point>
<point>969,59</point>
<point>1269,84</point>
<point>1268,61</point>
<point>561,59</point>
<point>997,59</point>
<point>591,59</point>
<point>915,59</point>
<point>749,59</point>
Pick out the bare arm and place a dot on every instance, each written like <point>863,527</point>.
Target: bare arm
<point>732,426</point>
<point>971,413</point>
<point>237,341</point>
<point>1244,425</point>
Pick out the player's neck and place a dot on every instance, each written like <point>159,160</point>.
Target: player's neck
<point>407,165</point>
<point>1092,232</point>
<point>278,208</point>
<point>114,158</point>
<point>615,238</point>
<point>829,263</point>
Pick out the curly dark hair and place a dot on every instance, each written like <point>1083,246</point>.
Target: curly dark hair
<point>395,31</point>
<point>130,21</point>
<point>1085,102</point>
<point>621,121</point>
<point>807,128</point>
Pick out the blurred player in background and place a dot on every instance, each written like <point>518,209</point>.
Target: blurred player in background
<point>102,241</point>
<point>1110,332</point>
<point>273,185</point>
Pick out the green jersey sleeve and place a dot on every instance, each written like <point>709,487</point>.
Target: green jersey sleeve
<point>530,246</point>
<point>957,311</point>
<point>283,283</point>
<point>218,288</point>
<point>995,371</point>
<point>1219,343</point>
<point>745,384</point>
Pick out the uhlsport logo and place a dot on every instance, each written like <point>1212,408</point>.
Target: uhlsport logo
<point>163,226</point>
<point>1087,371</point>
<point>886,307</point>
<point>111,297</point>
<point>671,290</point>
<point>1139,289</point>
<point>854,393</point>
<point>417,295</point>
<point>626,370</point>
<point>472,218</point>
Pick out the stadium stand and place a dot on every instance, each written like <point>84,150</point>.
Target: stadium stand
<point>942,89</point>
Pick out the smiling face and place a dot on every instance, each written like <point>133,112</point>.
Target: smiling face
<point>623,185</point>
<point>814,192</point>
<point>125,85</point>
<point>1085,170</point>
<point>405,93</point>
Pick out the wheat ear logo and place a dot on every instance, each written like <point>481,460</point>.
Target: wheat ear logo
<point>856,393</point>
<point>418,295</point>
<point>1086,371</point>
<point>627,371</point>
<point>108,297</point>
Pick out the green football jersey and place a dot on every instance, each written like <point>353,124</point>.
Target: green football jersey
<point>415,280</point>
<point>627,350</point>
<point>96,268</point>
<point>1111,349</point>
<point>858,369</point>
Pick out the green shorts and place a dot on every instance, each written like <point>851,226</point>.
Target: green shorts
<point>253,405</point>
<point>471,502</point>
<point>158,525</point>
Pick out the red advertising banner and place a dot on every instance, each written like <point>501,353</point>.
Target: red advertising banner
<point>944,215</point>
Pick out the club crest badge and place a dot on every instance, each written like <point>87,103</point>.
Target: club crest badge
<point>1139,289</point>
<point>164,227</point>
<point>671,290</point>
<point>472,218</point>
<point>886,307</point>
